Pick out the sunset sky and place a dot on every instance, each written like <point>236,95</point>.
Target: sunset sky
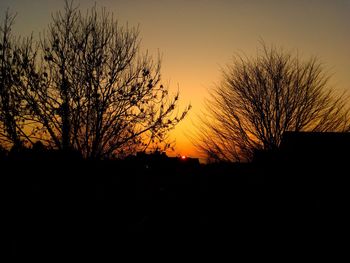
<point>198,37</point>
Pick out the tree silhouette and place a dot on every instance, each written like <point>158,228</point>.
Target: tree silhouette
<point>88,88</point>
<point>261,98</point>
<point>16,55</point>
<point>9,113</point>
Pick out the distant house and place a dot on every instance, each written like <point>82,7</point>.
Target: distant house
<point>311,155</point>
<point>320,159</point>
<point>159,160</point>
<point>313,147</point>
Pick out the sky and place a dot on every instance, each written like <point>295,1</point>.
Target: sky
<point>197,38</point>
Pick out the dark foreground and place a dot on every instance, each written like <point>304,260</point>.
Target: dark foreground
<point>58,208</point>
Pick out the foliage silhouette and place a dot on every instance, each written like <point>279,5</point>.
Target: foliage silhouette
<point>10,110</point>
<point>261,98</point>
<point>86,86</point>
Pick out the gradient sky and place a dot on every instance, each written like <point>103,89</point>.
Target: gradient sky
<point>197,37</point>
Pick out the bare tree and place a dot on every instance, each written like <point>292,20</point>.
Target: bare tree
<point>12,111</point>
<point>8,130</point>
<point>261,98</point>
<point>94,92</point>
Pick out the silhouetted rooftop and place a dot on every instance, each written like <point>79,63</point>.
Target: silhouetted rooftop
<point>307,139</point>
<point>316,145</point>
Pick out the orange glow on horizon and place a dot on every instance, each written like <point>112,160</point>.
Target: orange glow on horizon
<point>195,39</point>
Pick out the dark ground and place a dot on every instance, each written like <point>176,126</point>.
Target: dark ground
<point>81,207</point>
